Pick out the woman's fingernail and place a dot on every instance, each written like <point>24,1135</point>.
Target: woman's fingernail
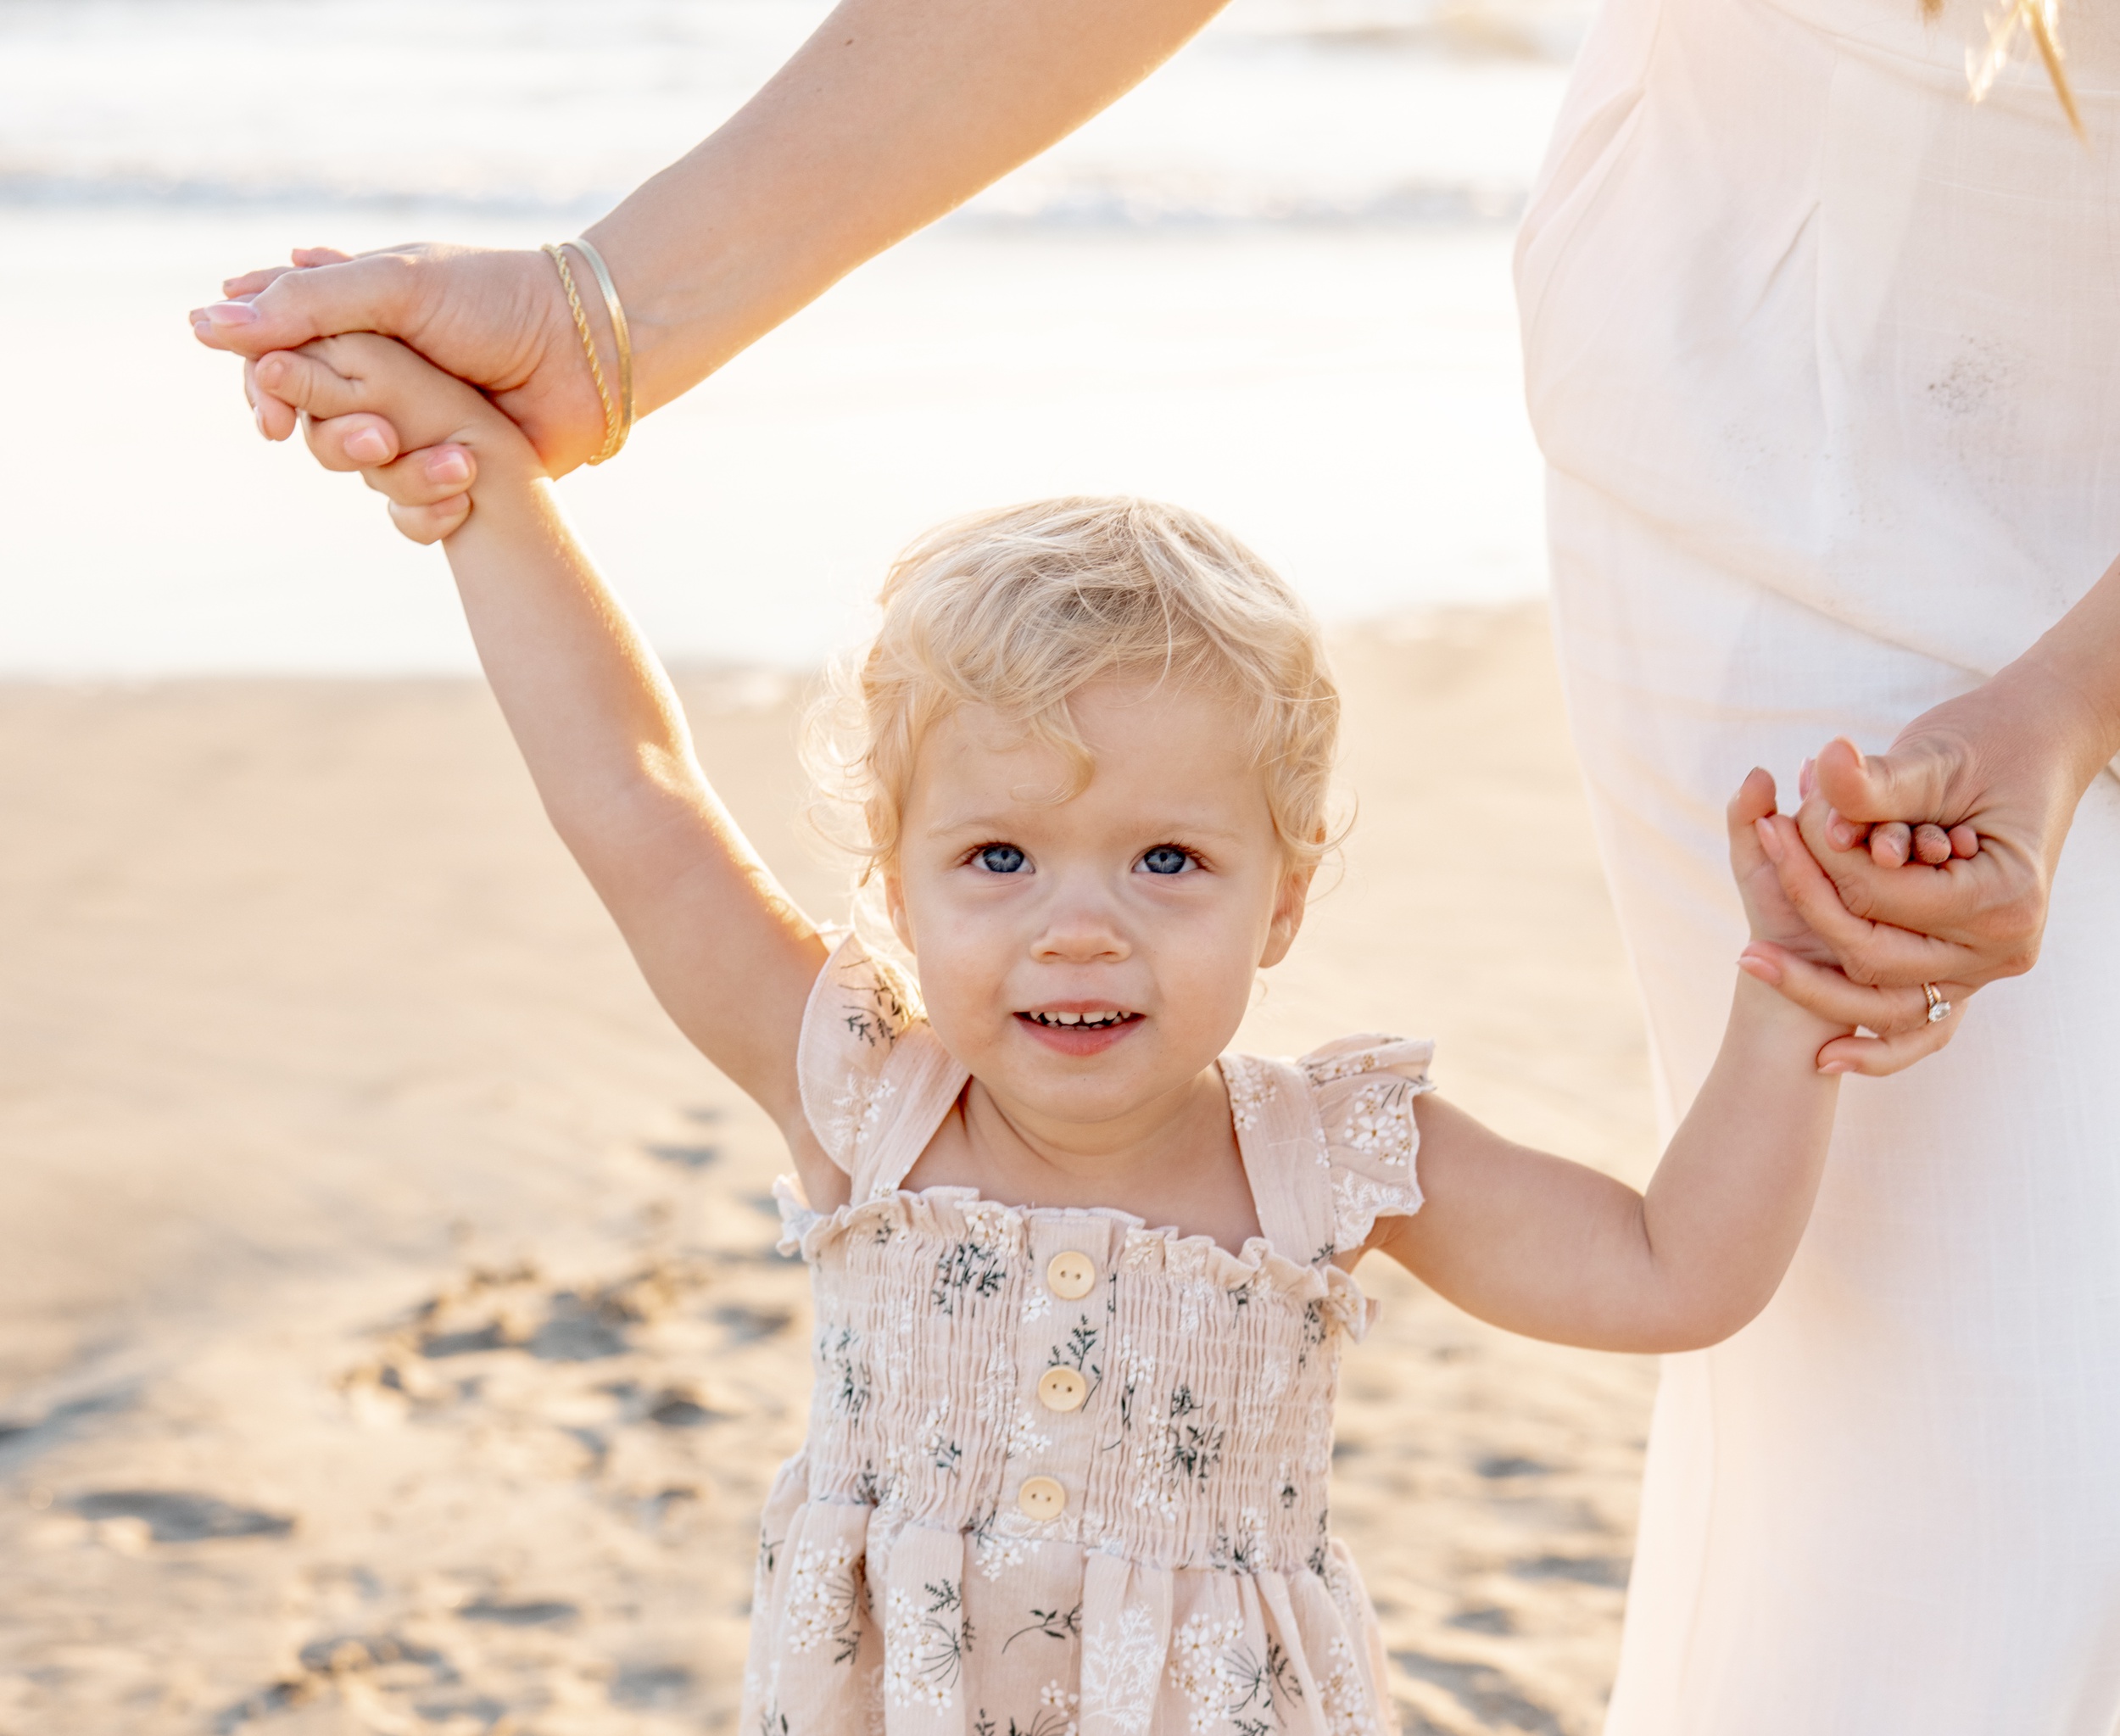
<point>231,313</point>
<point>367,446</point>
<point>448,467</point>
<point>1807,779</point>
<point>1832,1067</point>
<point>1770,839</point>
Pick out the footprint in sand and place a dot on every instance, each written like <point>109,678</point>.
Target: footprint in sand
<point>173,1517</point>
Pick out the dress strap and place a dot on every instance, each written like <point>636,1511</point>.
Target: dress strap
<point>876,1080</point>
<point>1329,1140</point>
<point>1363,1090</point>
<point>1274,1112</point>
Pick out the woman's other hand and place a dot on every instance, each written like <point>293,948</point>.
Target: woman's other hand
<point>1933,864</point>
<point>1938,856</point>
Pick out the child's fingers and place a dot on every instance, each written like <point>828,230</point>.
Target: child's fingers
<point>1890,843</point>
<point>1932,845</point>
<point>307,382</point>
<point>1754,802</point>
<point>428,477</point>
<point>360,441</point>
<point>276,420</point>
<point>430,524</point>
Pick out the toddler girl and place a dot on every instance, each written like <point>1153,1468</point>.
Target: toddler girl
<point>1082,1278</point>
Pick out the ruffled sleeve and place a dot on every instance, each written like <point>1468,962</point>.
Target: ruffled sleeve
<point>1364,1088</point>
<point>874,1077</point>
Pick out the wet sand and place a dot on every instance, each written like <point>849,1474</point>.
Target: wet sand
<point>390,1335</point>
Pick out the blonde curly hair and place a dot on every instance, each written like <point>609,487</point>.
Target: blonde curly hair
<point>1018,608</point>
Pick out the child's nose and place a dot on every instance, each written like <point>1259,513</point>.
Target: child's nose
<point>1081,931</point>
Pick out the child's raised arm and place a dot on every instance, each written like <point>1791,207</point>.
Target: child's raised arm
<point>724,949</point>
<point>1552,1249</point>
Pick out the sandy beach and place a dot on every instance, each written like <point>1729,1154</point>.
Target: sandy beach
<point>393,1338</point>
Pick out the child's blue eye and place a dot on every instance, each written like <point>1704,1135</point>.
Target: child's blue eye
<point>1166,859</point>
<point>1000,858</point>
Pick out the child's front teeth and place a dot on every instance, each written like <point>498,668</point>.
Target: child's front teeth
<point>1078,1017</point>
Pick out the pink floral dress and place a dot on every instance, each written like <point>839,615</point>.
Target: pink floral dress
<point>1065,1473</point>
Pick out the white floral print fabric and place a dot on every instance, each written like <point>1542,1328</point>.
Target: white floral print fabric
<point>1185,1583</point>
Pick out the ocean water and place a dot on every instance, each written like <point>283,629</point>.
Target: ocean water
<point>1272,283</point>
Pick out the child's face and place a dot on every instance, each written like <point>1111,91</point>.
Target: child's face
<point>1154,894</point>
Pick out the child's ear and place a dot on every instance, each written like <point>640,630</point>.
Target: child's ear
<point>1294,900</point>
<point>895,906</point>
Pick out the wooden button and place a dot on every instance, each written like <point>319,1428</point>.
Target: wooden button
<point>1041,1498</point>
<point>1062,1389</point>
<point>1071,1276</point>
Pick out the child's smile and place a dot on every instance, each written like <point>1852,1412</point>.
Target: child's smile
<point>1079,1029</point>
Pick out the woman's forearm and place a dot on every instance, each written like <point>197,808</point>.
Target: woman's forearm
<point>894,112</point>
<point>2071,680</point>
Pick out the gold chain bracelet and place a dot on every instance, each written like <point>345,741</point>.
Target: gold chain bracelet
<point>618,418</point>
<point>620,332</point>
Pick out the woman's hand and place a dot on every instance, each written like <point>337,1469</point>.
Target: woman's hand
<point>498,319</point>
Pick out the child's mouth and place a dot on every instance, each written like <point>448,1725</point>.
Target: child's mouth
<point>1075,1032</point>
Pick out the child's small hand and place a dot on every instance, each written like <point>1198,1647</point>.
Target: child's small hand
<point>1773,919</point>
<point>363,374</point>
<point>1767,849</point>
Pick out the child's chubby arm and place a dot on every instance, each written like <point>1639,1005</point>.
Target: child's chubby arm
<point>1555,1250</point>
<point>725,951</point>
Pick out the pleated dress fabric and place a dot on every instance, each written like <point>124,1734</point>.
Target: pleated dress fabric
<point>1825,361</point>
<point>960,1548</point>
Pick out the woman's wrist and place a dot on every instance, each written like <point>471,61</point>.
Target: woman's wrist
<point>682,316</point>
<point>2065,691</point>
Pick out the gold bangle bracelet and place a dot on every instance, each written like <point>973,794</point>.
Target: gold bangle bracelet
<point>614,430</point>
<point>616,310</point>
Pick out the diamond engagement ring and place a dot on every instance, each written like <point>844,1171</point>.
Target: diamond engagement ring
<point>1939,1007</point>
